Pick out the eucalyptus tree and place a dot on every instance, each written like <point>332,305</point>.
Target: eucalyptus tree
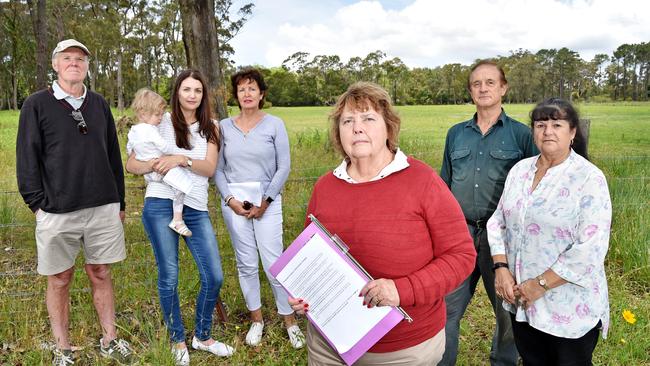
<point>17,49</point>
<point>371,66</point>
<point>38,15</point>
<point>524,74</point>
<point>397,76</point>
<point>207,28</point>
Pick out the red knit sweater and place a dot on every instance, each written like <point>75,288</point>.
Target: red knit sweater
<point>407,227</point>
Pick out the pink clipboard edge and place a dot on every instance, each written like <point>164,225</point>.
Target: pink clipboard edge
<point>377,332</point>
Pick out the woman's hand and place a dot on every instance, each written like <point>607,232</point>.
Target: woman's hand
<point>528,292</point>
<point>238,207</point>
<point>257,212</point>
<point>138,167</point>
<point>166,163</point>
<point>380,292</point>
<point>298,305</point>
<point>504,284</point>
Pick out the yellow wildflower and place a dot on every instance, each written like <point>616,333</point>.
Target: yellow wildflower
<point>623,341</point>
<point>629,316</point>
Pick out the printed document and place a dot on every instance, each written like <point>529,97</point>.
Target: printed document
<point>247,191</point>
<point>331,286</point>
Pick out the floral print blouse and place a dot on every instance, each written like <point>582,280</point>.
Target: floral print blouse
<point>564,225</point>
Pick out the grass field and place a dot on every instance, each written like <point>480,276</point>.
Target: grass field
<point>619,145</point>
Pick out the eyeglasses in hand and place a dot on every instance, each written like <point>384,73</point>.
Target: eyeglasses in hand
<point>81,123</point>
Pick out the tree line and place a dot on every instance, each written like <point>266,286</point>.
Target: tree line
<point>139,43</point>
<point>134,43</point>
<point>318,80</point>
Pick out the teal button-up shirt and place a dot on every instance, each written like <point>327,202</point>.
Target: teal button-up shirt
<point>475,166</point>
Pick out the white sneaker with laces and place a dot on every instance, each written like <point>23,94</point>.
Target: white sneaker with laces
<point>254,335</point>
<point>118,350</point>
<point>296,337</point>
<point>216,348</point>
<point>62,357</point>
<point>181,356</point>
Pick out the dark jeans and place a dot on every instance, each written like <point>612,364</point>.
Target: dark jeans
<point>202,244</point>
<point>503,351</point>
<point>540,348</point>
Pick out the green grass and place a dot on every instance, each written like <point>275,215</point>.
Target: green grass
<point>619,145</point>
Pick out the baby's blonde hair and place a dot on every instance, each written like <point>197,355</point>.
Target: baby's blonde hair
<point>146,101</point>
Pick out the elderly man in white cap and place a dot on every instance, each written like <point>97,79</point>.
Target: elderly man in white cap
<point>70,175</point>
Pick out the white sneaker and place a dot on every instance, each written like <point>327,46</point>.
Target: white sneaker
<point>181,356</point>
<point>254,335</point>
<point>216,348</point>
<point>296,337</point>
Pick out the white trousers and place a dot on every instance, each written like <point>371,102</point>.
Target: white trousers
<point>252,239</point>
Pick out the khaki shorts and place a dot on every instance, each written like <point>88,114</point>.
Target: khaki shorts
<point>60,236</point>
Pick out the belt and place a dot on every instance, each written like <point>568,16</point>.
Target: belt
<point>478,223</point>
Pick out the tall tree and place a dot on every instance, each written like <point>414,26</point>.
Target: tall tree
<point>202,47</point>
<point>396,75</point>
<point>14,16</point>
<point>39,16</point>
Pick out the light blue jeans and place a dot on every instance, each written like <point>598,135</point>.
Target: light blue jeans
<point>202,244</point>
<point>503,351</point>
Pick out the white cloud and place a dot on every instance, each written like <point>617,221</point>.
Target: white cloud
<point>432,33</point>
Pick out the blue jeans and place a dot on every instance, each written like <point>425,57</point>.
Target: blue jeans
<point>503,351</point>
<point>202,244</point>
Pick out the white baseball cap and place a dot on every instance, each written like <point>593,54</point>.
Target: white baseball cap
<point>65,44</point>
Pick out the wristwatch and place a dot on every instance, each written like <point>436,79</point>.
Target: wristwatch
<point>189,162</point>
<point>498,265</point>
<point>542,282</point>
<point>269,200</point>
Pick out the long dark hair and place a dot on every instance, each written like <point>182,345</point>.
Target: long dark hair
<point>560,109</point>
<point>207,129</point>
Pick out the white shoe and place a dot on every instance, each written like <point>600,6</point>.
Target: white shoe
<point>180,228</point>
<point>181,356</point>
<point>216,348</point>
<point>296,337</point>
<point>254,335</point>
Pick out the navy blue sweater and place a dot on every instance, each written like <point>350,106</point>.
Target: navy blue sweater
<point>58,168</point>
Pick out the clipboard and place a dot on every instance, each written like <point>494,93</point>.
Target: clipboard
<point>346,250</point>
<point>385,318</point>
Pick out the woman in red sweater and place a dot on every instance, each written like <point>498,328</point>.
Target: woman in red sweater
<point>401,223</point>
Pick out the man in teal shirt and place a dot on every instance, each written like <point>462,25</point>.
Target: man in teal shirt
<point>478,155</point>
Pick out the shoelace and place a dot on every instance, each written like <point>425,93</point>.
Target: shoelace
<point>296,334</point>
<point>61,358</point>
<point>123,347</point>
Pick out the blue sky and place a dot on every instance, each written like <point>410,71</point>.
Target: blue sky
<point>432,33</point>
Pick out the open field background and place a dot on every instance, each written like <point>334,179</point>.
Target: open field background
<point>619,145</point>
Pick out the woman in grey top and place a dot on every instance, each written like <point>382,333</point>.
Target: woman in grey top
<point>253,166</point>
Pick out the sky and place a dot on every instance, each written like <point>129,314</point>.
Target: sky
<point>429,33</point>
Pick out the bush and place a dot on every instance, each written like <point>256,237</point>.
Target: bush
<point>600,99</point>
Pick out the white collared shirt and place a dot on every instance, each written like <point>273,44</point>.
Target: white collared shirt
<point>399,162</point>
<point>74,101</point>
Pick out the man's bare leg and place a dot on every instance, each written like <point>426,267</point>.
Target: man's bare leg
<point>57,299</point>
<point>103,299</point>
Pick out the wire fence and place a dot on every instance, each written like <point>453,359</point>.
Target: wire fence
<point>20,282</point>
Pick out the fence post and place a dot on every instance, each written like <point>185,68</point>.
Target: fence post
<point>584,126</point>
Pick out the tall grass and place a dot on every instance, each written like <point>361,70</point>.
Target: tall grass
<point>619,145</point>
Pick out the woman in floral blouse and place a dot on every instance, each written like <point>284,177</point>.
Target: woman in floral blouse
<point>548,239</point>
